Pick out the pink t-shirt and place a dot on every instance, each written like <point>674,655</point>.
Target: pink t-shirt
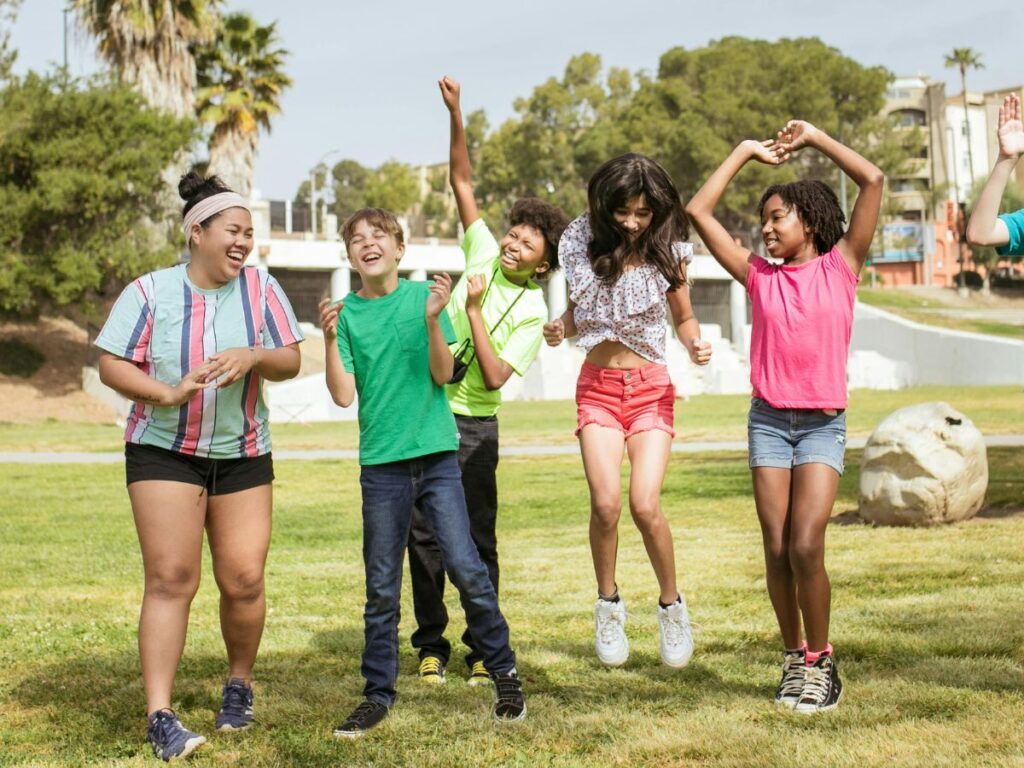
<point>802,317</point>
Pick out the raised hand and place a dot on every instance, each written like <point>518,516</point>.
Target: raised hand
<point>1011,129</point>
<point>329,318</point>
<point>769,151</point>
<point>449,92</point>
<point>796,135</point>
<point>476,287</point>
<point>440,292</point>
<point>554,332</point>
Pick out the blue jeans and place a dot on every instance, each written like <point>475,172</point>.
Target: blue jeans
<point>432,483</point>
<point>789,437</point>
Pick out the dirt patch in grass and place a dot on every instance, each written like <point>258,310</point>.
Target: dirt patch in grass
<point>55,390</point>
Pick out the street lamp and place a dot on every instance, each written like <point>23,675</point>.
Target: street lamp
<point>312,186</point>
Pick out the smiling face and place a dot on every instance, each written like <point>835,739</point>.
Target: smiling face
<point>634,216</point>
<point>219,249</point>
<point>373,251</point>
<point>784,233</point>
<point>523,253</point>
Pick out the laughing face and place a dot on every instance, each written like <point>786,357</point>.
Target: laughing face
<point>220,249</point>
<point>373,252</point>
<point>523,253</point>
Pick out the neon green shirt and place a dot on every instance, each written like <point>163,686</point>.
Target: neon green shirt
<point>403,414</point>
<point>516,340</point>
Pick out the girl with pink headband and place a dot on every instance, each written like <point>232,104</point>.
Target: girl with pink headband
<point>190,346</point>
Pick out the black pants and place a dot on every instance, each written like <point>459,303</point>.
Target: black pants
<point>478,459</point>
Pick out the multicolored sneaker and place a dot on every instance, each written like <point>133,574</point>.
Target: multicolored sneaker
<point>676,634</point>
<point>236,706</point>
<point>478,675</point>
<point>431,670</point>
<point>791,687</point>
<point>364,717</point>
<point>610,632</point>
<point>822,687</point>
<point>169,738</point>
<point>509,703</point>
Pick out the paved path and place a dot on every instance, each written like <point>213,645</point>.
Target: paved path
<point>116,457</point>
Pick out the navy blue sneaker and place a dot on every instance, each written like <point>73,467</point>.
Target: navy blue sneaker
<point>169,738</point>
<point>236,706</point>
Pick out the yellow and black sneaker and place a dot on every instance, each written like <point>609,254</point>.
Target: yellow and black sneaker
<point>431,670</point>
<point>478,675</point>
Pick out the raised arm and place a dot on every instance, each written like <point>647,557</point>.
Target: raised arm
<point>340,383</point>
<point>869,179</point>
<point>460,172</point>
<point>734,258</point>
<point>985,226</point>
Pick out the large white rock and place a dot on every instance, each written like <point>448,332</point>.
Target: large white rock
<point>923,465</point>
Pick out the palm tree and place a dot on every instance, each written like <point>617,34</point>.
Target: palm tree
<point>965,58</point>
<point>240,85</point>
<point>147,43</point>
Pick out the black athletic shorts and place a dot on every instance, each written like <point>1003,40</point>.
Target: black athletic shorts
<point>216,476</point>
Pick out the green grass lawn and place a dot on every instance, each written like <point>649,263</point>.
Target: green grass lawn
<point>995,410</point>
<point>928,627</point>
<point>927,310</point>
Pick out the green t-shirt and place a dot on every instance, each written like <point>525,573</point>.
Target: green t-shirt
<point>403,414</point>
<point>516,339</point>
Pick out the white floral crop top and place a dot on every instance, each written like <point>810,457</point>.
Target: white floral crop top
<point>631,310</point>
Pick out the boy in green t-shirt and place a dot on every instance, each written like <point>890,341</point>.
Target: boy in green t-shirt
<point>987,226</point>
<point>389,342</point>
<point>498,314</point>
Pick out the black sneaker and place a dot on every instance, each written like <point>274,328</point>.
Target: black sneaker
<point>236,706</point>
<point>363,718</point>
<point>509,704</point>
<point>822,686</point>
<point>791,687</point>
<point>169,738</point>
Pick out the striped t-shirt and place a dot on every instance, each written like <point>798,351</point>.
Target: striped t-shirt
<point>168,326</point>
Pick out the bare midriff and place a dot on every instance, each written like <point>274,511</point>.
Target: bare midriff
<point>615,354</point>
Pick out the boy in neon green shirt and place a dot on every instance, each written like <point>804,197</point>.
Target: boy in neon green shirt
<point>498,313</point>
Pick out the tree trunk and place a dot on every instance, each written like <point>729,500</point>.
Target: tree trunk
<point>232,157</point>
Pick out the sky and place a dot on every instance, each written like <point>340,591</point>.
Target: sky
<point>365,73</point>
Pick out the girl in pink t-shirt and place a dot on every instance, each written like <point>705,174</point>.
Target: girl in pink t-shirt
<point>623,261</point>
<point>802,311</point>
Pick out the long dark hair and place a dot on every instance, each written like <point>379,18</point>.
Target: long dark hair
<point>619,180</point>
<point>816,205</point>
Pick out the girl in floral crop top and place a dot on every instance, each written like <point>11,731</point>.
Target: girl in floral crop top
<point>622,261</point>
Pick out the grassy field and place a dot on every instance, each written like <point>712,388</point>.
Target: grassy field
<point>927,626</point>
<point>995,410</point>
<point>930,311</point>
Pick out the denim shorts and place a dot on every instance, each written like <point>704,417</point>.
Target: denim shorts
<point>789,437</point>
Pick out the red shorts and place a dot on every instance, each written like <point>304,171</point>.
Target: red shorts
<point>632,401</point>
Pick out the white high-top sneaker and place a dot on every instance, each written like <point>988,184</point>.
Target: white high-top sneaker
<point>610,629</point>
<point>676,636</point>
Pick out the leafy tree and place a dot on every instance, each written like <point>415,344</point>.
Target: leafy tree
<point>350,180</point>
<point>148,44</point>
<point>964,59</point>
<point>79,170</point>
<point>8,12</point>
<point>240,80</point>
<point>392,186</point>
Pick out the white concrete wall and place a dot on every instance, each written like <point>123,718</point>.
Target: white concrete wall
<point>936,355</point>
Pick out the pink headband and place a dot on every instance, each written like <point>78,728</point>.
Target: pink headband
<point>210,206</point>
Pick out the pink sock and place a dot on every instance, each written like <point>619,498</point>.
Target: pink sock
<point>813,656</point>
